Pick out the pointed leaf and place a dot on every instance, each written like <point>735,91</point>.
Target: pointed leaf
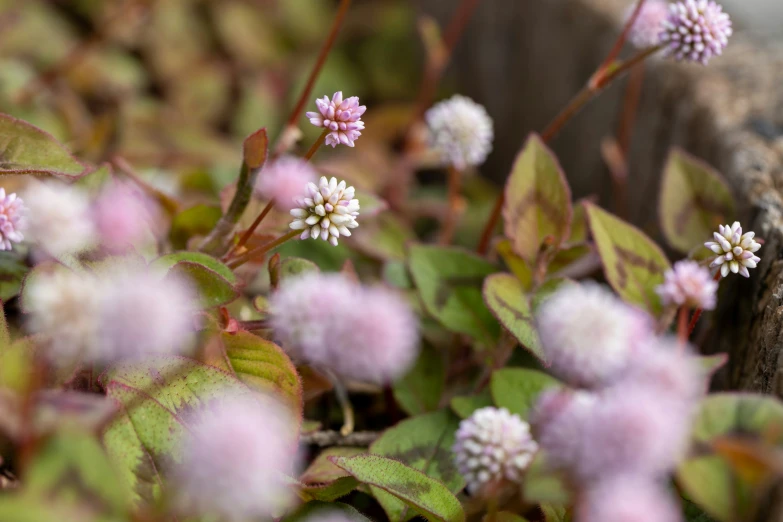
<point>324,481</point>
<point>420,390</point>
<point>214,281</point>
<point>26,149</point>
<point>538,201</point>
<point>694,200</point>
<point>507,300</point>
<point>424,495</point>
<point>516,264</point>
<point>449,281</point>
<point>633,263</point>
<point>517,389</point>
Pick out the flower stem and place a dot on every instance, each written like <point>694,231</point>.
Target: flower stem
<point>342,10</point>
<point>594,87</point>
<point>316,145</point>
<point>682,325</point>
<point>263,249</point>
<point>618,45</point>
<point>249,232</point>
<point>697,314</point>
<point>450,223</point>
<point>345,403</point>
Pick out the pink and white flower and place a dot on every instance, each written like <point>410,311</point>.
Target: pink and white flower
<point>284,181</point>
<point>343,117</point>
<point>735,250</point>
<point>328,210</point>
<point>11,222</point>
<point>696,30</point>
<point>688,284</point>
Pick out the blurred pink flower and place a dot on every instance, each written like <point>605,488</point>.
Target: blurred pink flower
<point>558,421</point>
<point>342,117</point>
<point>235,458</point>
<point>588,334</point>
<point>735,250</point>
<point>688,284</point>
<point>285,181</point>
<point>327,210</point>
<point>124,216</point>
<point>630,430</point>
<point>143,314</point>
<point>460,131</point>
<point>59,218</point>
<point>627,498</point>
<point>696,30</point>
<point>363,333</point>
<point>646,31</point>
<point>11,211</point>
<point>493,446</point>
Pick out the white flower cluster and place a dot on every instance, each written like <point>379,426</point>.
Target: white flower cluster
<point>735,250</point>
<point>460,131</point>
<point>328,211</point>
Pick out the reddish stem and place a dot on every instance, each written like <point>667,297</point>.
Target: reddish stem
<point>263,249</point>
<point>342,10</point>
<point>682,325</point>
<point>450,223</point>
<point>249,232</point>
<point>618,45</point>
<point>698,312</point>
<point>317,145</point>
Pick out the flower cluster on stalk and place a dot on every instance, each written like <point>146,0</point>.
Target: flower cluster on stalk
<point>327,211</point>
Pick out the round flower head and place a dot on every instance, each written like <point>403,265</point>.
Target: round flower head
<point>124,217</point>
<point>646,30</point>
<point>328,211</point>
<point>695,30</point>
<point>587,334</point>
<point>11,209</point>
<point>363,333</point>
<point>235,458</point>
<point>688,284</point>
<point>461,131</point>
<point>558,421</point>
<point>735,250</point>
<point>627,498</point>
<point>630,430</point>
<point>284,181</point>
<point>493,446</point>
<point>63,306</point>
<point>59,218</point>
<point>342,117</point>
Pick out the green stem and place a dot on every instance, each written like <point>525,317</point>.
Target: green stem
<point>263,249</point>
<point>345,402</point>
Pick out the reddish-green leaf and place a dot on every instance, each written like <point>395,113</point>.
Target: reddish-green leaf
<point>634,265</point>
<point>538,201</point>
<point>507,300</point>
<point>694,200</point>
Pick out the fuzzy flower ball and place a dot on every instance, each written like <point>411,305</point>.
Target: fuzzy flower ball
<point>11,210</point>
<point>630,430</point>
<point>558,421</point>
<point>460,131</point>
<point>688,284</point>
<point>59,218</point>
<point>141,314</point>
<point>342,117</point>
<point>328,210</point>
<point>284,181</point>
<point>646,30</point>
<point>124,217</point>
<point>62,306</point>
<point>587,334</point>
<point>696,30</point>
<point>625,498</point>
<point>235,458</point>
<point>735,250</point>
<point>493,446</point>
<point>363,333</point>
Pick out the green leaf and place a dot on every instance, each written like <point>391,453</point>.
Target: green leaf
<point>26,149</point>
<point>198,220</point>
<point>538,201</point>
<point>465,405</point>
<point>710,483</point>
<point>555,513</point>
<point>73,465</point>
<point>323,480</point>
<point>21,507</point>
<point>384,237</point>
<point>507,300</point>
<point>295,266</point>
<point>449,281</point>
<point>12,272</point>
<point>516,264</point>
<point>214,281</point>
<point>316,510</point>
<point>694,200</point>
<point>423,443</point>
<point>145,438</point>
<point>420,390</point>
<point>543,486</point>
<point>517,389</point>
<point>423,494</point>
<point>744,414</point>
<point>634,265</point>
<point>264,366</point>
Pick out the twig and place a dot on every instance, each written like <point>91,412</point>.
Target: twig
<point>335,438</point>
<point>249,232</point>
<point>263,249</point>
<point>450,223</point>
<point>342,10</point>
<point>345,402</point>
<point>588,92</point>
<point>317,145</point>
